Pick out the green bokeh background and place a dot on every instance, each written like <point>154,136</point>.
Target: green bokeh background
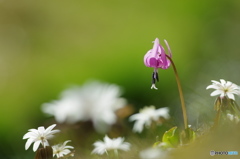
<point>47,46</point>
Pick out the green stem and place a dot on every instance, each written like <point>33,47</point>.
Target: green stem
<point>116,153</point>
<point>180,93</point>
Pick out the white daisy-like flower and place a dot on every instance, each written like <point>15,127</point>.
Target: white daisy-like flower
<point>147,115</point>
<point>40,135</point>
<point>60,150</point>
<point>87,103</point>
<point>108,144</point>
<point>224,88</point>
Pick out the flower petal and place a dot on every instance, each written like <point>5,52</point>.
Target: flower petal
<point>28,143</point>
<point>231,96</point>
<point>216,92</point>
<point>36,145</point>
<point>49,128</point>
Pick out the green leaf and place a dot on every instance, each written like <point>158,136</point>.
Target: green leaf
<point>171,137</point>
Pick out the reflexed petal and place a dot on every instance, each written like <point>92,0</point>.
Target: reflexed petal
<point>49,128</point>
<point>53,132</point>
<point>65,143</point>
<point>169,50</point>
<point>155,47</point>
<point>68,147</point>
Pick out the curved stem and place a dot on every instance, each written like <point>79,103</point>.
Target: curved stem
<point>180,94</point>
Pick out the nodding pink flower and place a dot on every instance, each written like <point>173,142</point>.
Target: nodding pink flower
<point>157,58</point>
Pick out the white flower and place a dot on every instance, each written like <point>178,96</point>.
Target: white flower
<point>40,135</point>
<point>153,153</point>
<point>224,88</point>
<point>93,101</point>
<point>146,116</point>
<point>232,117</point>
<point>110,144</point>
<point>61,149</point>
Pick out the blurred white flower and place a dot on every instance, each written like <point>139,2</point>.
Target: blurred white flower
<point>107,144</point>
<point>40,135</point>
<point>232,117</point>
<point>152,153</point>
<point>93,101</point>
<point>146,116</point>
<point>224,88</point>
<point>61,150</point>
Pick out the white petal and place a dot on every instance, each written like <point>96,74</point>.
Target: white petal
<point>138,126</point>
<point>52,132</point>
<point>223,82</point>
<point>28,143</point>
<point>216,92</point>
<point>41,130</point>
<point>68,147</point>
<point>107,140</point>
<point>231,96</point>
<point>125,146</point>
<point>50,128</point>
<point>215,82</point>
<point>213,87</point>
<point>163,112</point>
<point>36,145</point>
<point>65,151</point>
<point>65,143</point>
<point>29,135</point>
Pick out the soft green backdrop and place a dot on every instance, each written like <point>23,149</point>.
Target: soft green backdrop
<point>47,46</point>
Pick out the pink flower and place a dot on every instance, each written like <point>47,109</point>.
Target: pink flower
<point>157,58</point>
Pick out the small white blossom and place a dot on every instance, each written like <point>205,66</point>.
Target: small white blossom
<point>232,117</point>
<point>107,144</point>
<point>40,135</point>
<point>93,101</point>
<point>224,88</point>
<point>153,153</point>
<point>146,116</point>
<point>61,150</point>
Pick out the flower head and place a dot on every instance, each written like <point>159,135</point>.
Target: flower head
<point>40,135</point>
<point>224,88</point>
<point>147,115</point>
<point>107,144</point>
<point>86,103</point>
<point>61,150</point>
<point>157,58</point>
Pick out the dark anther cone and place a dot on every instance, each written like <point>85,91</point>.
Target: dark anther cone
<point>44,153</point>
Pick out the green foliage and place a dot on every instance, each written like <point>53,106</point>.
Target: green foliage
<point>171,137</point>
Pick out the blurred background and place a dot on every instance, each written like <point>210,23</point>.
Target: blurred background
<point>49,45</point>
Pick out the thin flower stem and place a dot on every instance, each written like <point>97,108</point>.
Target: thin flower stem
<point>216,121</point>
<point>180,94</point>
<point>116,153</point>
